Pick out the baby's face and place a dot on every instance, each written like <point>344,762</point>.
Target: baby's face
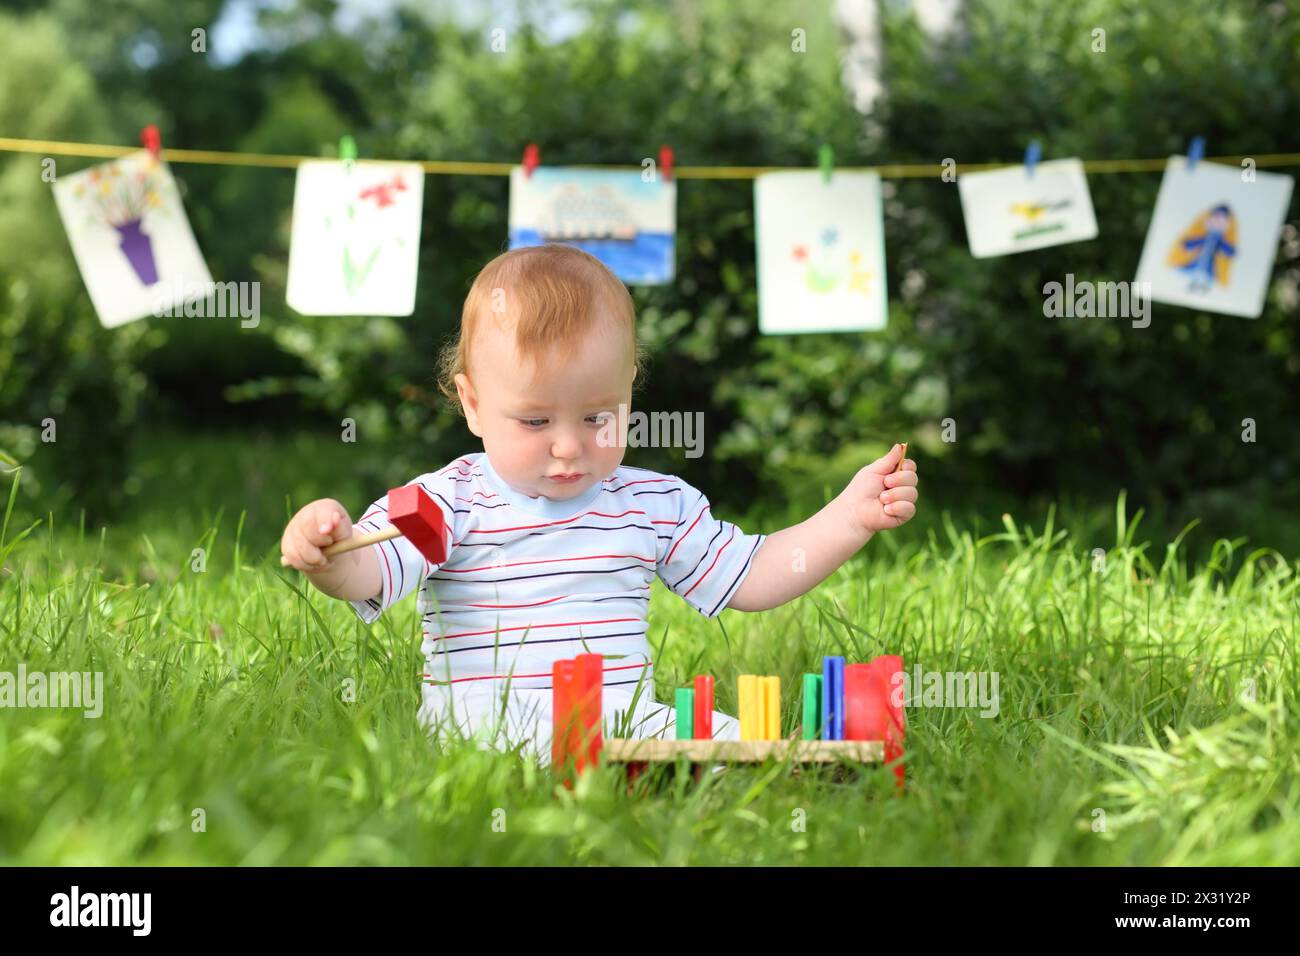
<point>535,431</point>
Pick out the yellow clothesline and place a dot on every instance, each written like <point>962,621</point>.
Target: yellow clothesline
<point>453,168</point>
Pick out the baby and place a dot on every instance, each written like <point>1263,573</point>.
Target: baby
<point>552,542</point>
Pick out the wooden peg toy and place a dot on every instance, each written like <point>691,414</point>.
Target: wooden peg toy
<point>870,722</point>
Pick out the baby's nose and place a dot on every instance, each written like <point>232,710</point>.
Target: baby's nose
<point>566,446</point>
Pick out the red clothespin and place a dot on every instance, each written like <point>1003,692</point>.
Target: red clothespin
<point>532,156</point>
<point>151,140</point>
<point>666,162</point>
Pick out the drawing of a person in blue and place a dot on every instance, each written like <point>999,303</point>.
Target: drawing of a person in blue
<point>1206,249</point>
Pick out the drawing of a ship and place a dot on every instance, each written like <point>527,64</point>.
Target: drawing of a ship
<point>578,214</point>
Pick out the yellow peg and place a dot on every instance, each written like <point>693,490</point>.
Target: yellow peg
<point>771,689</point>
<point>751,727</point>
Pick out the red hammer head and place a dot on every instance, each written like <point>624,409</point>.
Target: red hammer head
<point>420,520</point>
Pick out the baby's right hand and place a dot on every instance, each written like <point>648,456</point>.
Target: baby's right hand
<point>317,525</point>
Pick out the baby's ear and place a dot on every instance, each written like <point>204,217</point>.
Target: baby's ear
<point>468,403</point>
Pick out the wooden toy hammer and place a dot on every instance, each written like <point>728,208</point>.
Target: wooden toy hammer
<point>413,514</point>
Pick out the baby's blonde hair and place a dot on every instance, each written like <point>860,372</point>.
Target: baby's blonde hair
<point>551,290</point>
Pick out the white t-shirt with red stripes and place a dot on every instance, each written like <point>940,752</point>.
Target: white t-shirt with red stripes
<point>529,581</point>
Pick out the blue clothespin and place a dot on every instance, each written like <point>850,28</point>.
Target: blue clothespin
<point>1033,153</point>
<point>347,150</point>
<point>1195,151</point>
<point>826,160</point>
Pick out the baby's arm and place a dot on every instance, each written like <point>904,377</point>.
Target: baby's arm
<point>351,576</point>
<point>795,560</point>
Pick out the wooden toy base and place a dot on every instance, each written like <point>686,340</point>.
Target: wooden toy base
<point>636,755</point>
<point>651,750</point>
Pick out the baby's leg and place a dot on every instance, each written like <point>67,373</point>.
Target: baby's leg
<point>460,712</point>
<point>526,717</point>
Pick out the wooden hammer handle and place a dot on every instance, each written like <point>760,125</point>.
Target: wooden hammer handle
<point>356,541</point>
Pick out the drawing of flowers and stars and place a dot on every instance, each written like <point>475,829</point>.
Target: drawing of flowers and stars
<point>829,265</point>
<point>821,252</point>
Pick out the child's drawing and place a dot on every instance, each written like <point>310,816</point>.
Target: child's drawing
<point>356,238</point>
<point>1213,236</point>
<point>1008,210</point>
<point>625,222</point>
<point>131,238</point>
<point>821,253</point>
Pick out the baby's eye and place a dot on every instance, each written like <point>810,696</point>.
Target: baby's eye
<point>534,422</point>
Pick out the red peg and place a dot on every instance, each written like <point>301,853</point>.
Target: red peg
<point>863,709</point>
<point>889,680</point>
<point>576,714</point>
<point>704,707</point>
<point>871,710</point>
<point>564,716</point>
<point>591,677</point>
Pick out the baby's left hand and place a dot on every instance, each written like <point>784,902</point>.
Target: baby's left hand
<point>878,497</point>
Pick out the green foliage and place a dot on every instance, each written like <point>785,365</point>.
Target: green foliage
<point>56,360</point>
<point>1093,405</point>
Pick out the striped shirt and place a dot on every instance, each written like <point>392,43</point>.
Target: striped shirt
<point>529,581</point>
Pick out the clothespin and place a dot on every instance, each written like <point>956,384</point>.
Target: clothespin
<point>1195,151</point>
<point>347,150</point>
<point>532,157</point>
<point>151,140</point>
<point>826,160</point>
<point>1033,153</point>
<point>666,162</point>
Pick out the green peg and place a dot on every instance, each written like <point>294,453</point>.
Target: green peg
<point>826,159</point>
<point>812,706</point>
<point>685,713</point>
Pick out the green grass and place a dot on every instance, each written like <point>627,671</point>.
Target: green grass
<point>1121,691</point>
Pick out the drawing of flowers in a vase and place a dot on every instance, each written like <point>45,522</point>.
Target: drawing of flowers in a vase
<point>121,194</point>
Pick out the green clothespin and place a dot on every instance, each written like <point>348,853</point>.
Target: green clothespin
<point>347,150</point>
<point>826,160</point>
